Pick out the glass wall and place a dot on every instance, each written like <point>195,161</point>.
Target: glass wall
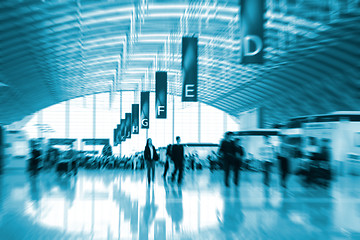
<point>213,122</point>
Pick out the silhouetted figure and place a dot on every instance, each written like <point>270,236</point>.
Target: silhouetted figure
<point>267,157</point>
<point>178,158</point>
<point>227,153</point>
<point>239,156</point>
<point>150,156</point>
<point>167,161</point>
<point>283,156</point>
<point>35,159</point>
<point>192,162</point>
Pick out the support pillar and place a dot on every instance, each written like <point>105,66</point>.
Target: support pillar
<point>67,119</point>
<point>39,124</point>
<point>199,122</point>
<point>94,119</point>
<point>173,119</point>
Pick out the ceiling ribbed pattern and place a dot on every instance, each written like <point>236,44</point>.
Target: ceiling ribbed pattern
<point>51,51</point>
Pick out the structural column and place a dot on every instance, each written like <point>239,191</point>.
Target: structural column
<point>199,122</point>
<point>149,88</point>
<point>173,119</point>
<point>67,119</point>
<point>135,136</point>
<point>94,118</point>
<point>39,124</point>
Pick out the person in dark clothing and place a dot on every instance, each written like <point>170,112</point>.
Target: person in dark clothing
<point>239,156</point>
<point>227,153</point>
<point>267,155</point>
<point>35,159</point>
<point>167,161</point>
<point>283,156</point>
<point>192,162</point>
<point>178,158</point>
<point>150,156</point>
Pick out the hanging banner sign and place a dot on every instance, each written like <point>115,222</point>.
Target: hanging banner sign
<point>161,94</point>
<point>144,108</point>
<point>115,137</point>
<point>135,118</point>
<point>122,130</point>
<point>252,31</point>
<point>118,134</point>
<point>189,69</point>
<point>127,125</point>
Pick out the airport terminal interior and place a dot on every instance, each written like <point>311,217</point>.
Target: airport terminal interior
<point>187,119</point>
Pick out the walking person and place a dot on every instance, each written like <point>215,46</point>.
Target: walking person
<point>167,161</point>
<point>239,157</point>
<point>227,153</point>
<point>150,156</point>
<point>267,157</point>
<point>283,156</point>
<point>35,159</point>
<point>178,158</point>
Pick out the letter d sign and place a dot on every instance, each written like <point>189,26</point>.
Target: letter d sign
<point>252,31</point>
<point>249,41</point>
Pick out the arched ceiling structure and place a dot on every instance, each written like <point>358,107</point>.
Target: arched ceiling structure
<point>52,51</point>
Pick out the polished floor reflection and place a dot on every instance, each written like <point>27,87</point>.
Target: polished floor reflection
<point>119,205</point>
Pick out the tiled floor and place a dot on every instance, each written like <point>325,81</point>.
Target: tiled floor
<point>118,204</point>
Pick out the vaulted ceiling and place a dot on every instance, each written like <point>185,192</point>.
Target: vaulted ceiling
<point>52,51</point>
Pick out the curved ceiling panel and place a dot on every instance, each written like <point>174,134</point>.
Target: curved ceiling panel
<point>52,51</point>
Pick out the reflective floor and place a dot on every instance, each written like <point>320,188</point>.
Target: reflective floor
<point>118,204</point>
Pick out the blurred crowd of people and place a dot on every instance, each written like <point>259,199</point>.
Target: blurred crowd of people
<point>68,161</point>
<point>232,157</point>
<point>315,166</point>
